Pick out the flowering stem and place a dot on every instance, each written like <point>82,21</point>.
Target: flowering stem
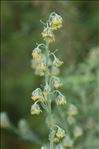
<point>47,82</point>
<point>47,57</point>
<point>51,145</point>
<point>47,74</point>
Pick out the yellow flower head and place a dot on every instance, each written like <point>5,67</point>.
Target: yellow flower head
<point>37,94</point>
<point>60,133</point>
<point>42,64</point>
<point>72,110</point>
<point>39,72</point>
<point>55,21</point>
<point>60,100</point>
<point>56,139</point>
<point>57,62</point>
<point>48,35</point>
<point>78,131</point>
<point>67,141</point>
<point>35,109</point>
<point>56,24</point>
<point>56,82</point>
<point>57,85</point>
<point>41,67</point>
<point>36,54</point>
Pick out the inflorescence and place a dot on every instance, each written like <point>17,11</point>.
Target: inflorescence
<point>46,64</point>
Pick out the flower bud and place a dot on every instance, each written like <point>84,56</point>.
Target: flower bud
<point>72,110</point>
<point>37,94</point>
<point>67,141</point>
<point>78,131</point>
<point>60,133</point>
<point>56,82</point>
<point>57,62</point>
<point>36,54</point>
<point>56,139</point>
<point>35,109</point>
<point>41,66</point>
<point>60,100</point>
<point>52,135</point>
<point>48,35</point>
<point>55,21</point>
<point>54,71</point>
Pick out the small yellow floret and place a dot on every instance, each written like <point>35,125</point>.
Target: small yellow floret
<point>36,97</point>
<point>36,112</point>
<point>67,142</point>
<point>60,133</point>
<point>35,109</point>
<point>41,67</point>
<point>56,24</point>
<point>60,100</point>
<point>48,35</point>
<point>57,85</point>
<point>78,132</point>
<point>72,110</point>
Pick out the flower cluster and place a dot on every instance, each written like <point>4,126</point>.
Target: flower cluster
<point>49,64</point>
<point>46,64</point>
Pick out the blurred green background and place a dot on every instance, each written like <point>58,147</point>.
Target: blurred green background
<point>20,30</point>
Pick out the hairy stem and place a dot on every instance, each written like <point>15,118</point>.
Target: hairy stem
<point>47,58</point>
<point>47,82</point>
<point>51,145</point>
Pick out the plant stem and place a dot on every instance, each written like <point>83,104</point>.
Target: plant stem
<point>47,82</point>
<point>51,145</point>
<point>47,58</point>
